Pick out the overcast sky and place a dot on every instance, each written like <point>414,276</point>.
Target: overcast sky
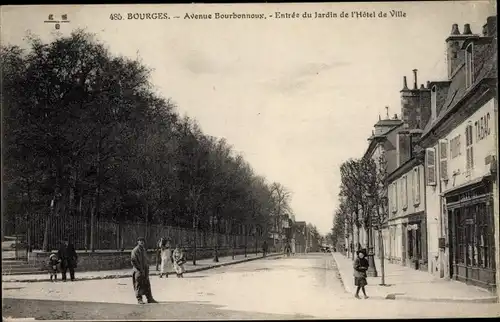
<point>296,97</point>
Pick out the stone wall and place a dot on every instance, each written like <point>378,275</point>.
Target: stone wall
<point>114,260</point>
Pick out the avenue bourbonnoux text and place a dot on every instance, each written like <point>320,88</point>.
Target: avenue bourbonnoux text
<point>276,15</point>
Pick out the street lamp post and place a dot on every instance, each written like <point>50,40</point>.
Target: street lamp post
<point>372,270</point>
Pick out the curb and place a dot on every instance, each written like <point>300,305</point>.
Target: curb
<point>401,296</point>
<point>129,275</point>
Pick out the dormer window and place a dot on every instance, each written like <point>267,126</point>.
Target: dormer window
<point>469,65</point>
<point>433,102</point>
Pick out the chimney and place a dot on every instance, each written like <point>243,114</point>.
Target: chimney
<point>415,86</point>
<point>405,84</point>
<point>467,30</point>
<point>454,29</point>
<point>491,23</point>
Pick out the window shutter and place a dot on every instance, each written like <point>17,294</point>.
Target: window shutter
<point>430,164</point>
<point>393,197</point>
<point>405,192</point>
<point>443,159</point>
<point>413,186</point>
<point>417,185</point>
<point>469,153</point>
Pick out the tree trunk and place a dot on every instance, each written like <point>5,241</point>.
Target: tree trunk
<point>382,257</point>
<point>195,230</point>
<point>92,226</point>
<point>246,240</point>
<point>48,221</point>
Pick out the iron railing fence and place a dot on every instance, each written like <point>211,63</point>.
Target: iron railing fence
<point>113,235</point>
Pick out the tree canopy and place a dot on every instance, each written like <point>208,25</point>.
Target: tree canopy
<point>85,134</point>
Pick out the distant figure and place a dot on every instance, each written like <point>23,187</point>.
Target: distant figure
<point>264,248</point>
<point>166,257</point>
<point>360,268</point>
<point>179,260</point>
<point>288,249</point>
<point>69,259</point>
<point>293,249</point>
<point>140,275</point>
<point>53,262</point>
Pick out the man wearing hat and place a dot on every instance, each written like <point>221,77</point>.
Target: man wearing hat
<point>68,257</point>
<point>140,275</point>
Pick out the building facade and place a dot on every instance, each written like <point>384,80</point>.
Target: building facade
<point>383,146</point>
<point>407,224</point>
<point>461,160</point>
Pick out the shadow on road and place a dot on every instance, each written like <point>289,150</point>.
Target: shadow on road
<point>71,310</point>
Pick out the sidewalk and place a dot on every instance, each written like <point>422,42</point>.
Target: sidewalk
<point>201,265</point>
<point>405,283</point>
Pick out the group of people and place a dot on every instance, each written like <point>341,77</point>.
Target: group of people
<point>140,264</point>
<point>66,259</point>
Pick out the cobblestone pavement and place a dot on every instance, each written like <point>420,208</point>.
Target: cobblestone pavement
<point>306,286</point>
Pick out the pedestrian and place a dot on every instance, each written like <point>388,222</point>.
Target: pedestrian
<point>158,253</point>
<point>140,275</point>
<point>178,260</point>
<point>53,262</point>
<point>293,248</point>
<point>166,257</point>
<point>69,259</point>
<point>264,248</point>
<point>360,268</point>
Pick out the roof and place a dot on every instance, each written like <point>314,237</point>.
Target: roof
<point>457,89</point>
<point>388,122</point>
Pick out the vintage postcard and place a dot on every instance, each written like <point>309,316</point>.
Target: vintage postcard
<point>250,161</point>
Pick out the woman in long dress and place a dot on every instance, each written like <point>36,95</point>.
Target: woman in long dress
<point>165,254</point>
<point>178,260</point>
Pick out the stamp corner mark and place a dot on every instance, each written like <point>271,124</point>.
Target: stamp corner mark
<point>52,19</point>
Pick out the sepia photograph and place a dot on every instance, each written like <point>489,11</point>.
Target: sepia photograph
<point>238,161</point>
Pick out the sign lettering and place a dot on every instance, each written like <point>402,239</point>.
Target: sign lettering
<point>482,127</point>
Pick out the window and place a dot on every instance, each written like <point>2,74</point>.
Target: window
<point>394,197</point>
<point>443,159</point>
<point>430,164</point>
<point>468,148</point>
<point>474,233</point>
<point>469,66</point>
<point>416,186</point>
<point>433,102</point>
<point>404,188</point>
<point>455,147</point>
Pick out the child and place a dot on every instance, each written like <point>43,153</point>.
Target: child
<point>53,261</point>
<point>178,260</point>
<point>360,268</point>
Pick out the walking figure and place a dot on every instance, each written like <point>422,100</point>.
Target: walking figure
<point>69,259</point>
<point>178,260</point>
<point>166,257</point>
<point>53,262</point>
<point>140,275</point>
<point>360,268</point>
<point>264,248</point>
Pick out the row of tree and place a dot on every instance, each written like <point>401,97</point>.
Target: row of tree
<point>363,203</point>
<point>86,134</point>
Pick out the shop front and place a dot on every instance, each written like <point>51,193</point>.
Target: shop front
<point>417,241</point>
<point>471,234</point>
